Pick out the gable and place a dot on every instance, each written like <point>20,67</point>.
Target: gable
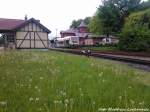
<point>32,25</point>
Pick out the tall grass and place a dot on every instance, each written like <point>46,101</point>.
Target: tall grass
<point>35,81</point>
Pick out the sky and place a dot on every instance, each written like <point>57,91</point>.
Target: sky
<point>54,14</point>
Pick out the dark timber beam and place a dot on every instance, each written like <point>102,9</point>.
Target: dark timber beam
<point>41,40</point>
<point>23,39</point>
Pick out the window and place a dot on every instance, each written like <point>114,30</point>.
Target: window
<point>10,38</point>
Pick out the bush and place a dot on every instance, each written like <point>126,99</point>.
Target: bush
<point>135,35</point>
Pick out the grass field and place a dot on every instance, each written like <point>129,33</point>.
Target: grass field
<point>50,81</point>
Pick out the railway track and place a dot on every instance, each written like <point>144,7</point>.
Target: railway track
<point>123,58</point>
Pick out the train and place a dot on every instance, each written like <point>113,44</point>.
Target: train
<point>67,41</point>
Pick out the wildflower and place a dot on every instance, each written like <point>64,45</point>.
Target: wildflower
<point>17,84</point>
<point>40,109</point>
<point>129,87</point>
<point>80,89</point>
<point>103,80</point>
<point>39,90</point>
<point>30,80</point>
<point>60,102</point>
<point>94,103</point>
<point>71,100</point>
<point>62,93</point>
<point>100,74</point>
<point>55,102</point>
<point>92,64</point>
<point>66,104</point>
<point>66,101</point>
<point>81,94</point>
<point>36,87</point>
<point>21,85</point>
<point>36,99</point>
<point>141,103</point>
<point>102,109</point>
<point>120,97</point>
<point>3,103</point>
<point>31,99</point>
<point>132,101</point>
<point>41,78</point>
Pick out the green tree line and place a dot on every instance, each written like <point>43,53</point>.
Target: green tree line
<point>125,19</point>
<point>76,23</point>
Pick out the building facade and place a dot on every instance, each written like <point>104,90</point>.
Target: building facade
<point>87,38</point>
<point>24,34</point>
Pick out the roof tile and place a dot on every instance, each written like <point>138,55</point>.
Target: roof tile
<point>10,24</point>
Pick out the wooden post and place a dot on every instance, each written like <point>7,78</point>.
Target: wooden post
<point>5,41</point>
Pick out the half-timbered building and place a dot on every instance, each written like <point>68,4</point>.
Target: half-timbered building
<point>24,34</point>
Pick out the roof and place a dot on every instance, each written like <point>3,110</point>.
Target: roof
<point>82,24</point>
<point>15,24</point>
<point>71,30</point>
<point>83,34</point>
<point>76,32</point>
<point>10,24</point>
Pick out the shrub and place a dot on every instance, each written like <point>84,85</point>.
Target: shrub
<point>135,35</point>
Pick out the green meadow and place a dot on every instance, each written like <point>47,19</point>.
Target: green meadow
<point>36,81</point>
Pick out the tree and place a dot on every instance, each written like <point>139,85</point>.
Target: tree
<point>135,35</point>
<point>112,14</point>
<point>108,15</point>
<point>87,20</point>
<point>95,25</point>
<point>76,23</point>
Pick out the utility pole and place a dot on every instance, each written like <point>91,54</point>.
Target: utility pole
<point>56,32</point>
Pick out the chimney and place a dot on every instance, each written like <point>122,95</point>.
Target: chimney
<point>38,20</point>
<point>25,18</point>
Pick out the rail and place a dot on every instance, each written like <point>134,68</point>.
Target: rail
<point>124,58</point>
